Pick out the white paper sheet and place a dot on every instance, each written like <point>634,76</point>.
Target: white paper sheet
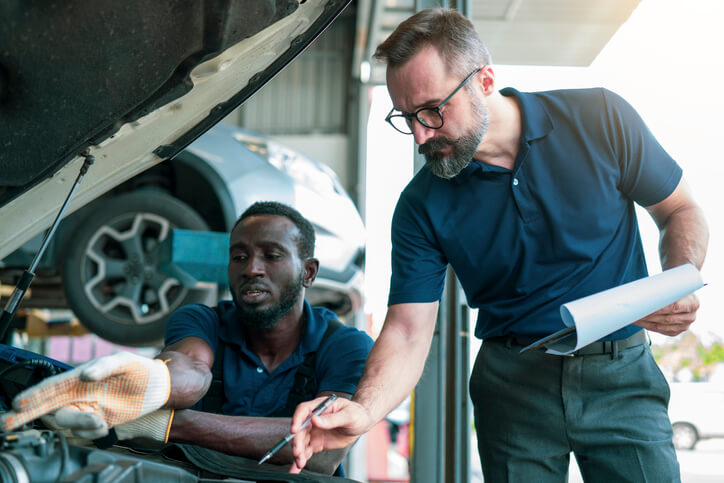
<point>603,313</point>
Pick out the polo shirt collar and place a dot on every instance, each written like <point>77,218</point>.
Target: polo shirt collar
<point>314,328</point>
<point>537,123</point>
<point>477,167</point>
<point>536,120</point>
<point>232,333</point>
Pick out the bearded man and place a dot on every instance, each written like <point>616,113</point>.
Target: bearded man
<point>266,333</point>
<point>231,375</point>
<point>529,197</point>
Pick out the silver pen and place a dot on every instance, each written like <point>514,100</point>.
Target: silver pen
<point>282,442</point>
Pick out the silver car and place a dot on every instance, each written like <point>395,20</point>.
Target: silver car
<point>134,86</point>
<point>106,264</point>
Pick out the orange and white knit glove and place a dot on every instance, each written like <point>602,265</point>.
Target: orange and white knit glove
<point>86,426</point>
<point>117,388</point>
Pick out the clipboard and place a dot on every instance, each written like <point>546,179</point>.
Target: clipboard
<point>554,337</point>
<point>594,317</point>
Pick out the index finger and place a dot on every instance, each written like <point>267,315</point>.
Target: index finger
<point>14,419</point>
<point>303,411</point>
<point>39,400</point>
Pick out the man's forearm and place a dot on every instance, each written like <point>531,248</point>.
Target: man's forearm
<point>250,437</point>
<point>189,379</point>
<point>396,361</point>
<point>684,238</point>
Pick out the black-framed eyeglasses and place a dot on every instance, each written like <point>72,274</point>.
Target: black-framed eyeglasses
<point>430,117</point>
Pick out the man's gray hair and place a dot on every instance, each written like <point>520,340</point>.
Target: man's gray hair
<point>450,32</point>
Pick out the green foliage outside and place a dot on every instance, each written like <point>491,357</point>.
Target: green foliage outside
<point>713,354</point>
<point>688,352</point>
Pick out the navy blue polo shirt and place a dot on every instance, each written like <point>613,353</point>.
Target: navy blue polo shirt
<point>250,389</point>
<point>559,226</point>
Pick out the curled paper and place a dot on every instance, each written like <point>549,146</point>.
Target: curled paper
<point>603,313</point>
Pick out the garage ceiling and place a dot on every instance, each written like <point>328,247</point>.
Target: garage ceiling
<point>532,32</point>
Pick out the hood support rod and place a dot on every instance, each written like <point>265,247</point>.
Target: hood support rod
<point>27,277</point>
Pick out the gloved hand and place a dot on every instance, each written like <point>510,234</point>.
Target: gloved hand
<point>81,425</point>
<point>117,388</point>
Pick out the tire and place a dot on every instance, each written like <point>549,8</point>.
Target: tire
<point>685,436</point>
<point>111,271</point>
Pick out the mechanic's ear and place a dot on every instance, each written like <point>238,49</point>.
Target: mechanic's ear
<point>311,269</point>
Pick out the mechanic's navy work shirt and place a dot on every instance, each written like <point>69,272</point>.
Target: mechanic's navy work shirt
<point>250,389</point>
<point>561,225</point>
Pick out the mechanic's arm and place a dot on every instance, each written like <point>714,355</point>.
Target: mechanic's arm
<point>187,377</point>
<point>189,363</point>
<point>684,237</point>
<point>250,437</point>
<point>392,370</point>
<point>117,389</point>
<point>397,359</point>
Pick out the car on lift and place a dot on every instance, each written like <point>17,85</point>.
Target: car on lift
<point>136,88</point>
<point>105,262</point>
<point>104,107</point>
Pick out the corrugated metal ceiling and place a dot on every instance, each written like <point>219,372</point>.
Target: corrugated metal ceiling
<point>534,32</point>
<point>548,32</point>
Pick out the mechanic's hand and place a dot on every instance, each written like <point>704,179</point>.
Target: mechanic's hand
<point>117,388</point>
<point>89,426</point>
<point>341,424</point>
<point>83,420</point>
<point>674,318</point>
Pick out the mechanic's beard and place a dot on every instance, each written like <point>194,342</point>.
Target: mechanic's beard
<point>463,148</point>
<point>268,317</point>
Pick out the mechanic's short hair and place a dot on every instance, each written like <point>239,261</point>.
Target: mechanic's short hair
<point>305,241</point>
<point>446,29</point>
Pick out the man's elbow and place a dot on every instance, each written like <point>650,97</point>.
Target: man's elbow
<point>190,380</point>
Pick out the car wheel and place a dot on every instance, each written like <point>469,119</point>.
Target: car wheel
<point>685,436</point>
<point>111,271</point>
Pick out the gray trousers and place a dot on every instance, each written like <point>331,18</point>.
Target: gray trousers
<point>533,410</point>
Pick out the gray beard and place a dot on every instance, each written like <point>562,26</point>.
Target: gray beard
<point>463,148</point>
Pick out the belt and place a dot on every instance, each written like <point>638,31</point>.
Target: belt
<point>596,348</point>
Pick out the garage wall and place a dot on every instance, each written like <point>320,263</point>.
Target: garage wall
<point>310,95</point>
<point>306,107</point>
<point>331,149</point>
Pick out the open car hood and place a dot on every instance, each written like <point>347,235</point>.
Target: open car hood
<point>132,83</point>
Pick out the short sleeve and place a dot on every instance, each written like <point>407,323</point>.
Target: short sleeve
<point>195,320</point>
<point>648,173</point>
<point>418,265</point>
<point>341,360</point>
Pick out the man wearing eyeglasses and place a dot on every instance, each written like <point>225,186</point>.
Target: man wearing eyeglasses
<point>530,198</point>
